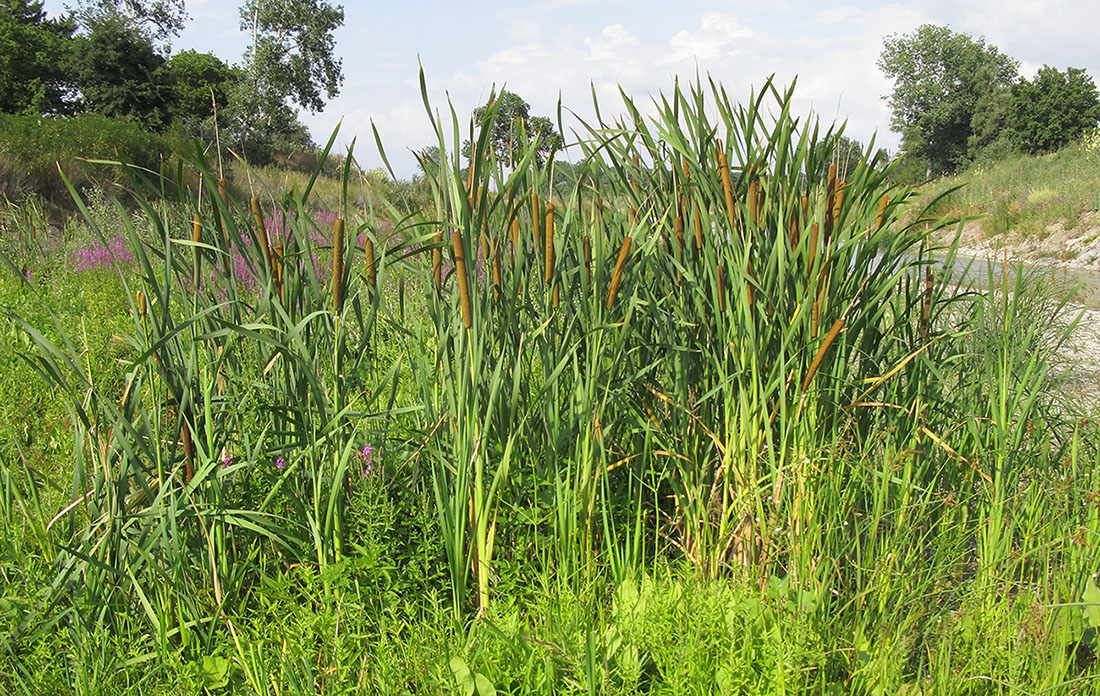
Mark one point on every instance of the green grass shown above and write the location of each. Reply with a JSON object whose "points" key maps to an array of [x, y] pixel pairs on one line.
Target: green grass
{"points": [[721, 433], [1026, 194]]}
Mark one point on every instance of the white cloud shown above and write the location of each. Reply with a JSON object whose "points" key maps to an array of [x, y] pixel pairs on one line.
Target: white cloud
{"points": [[606, 46], [717, 37]]}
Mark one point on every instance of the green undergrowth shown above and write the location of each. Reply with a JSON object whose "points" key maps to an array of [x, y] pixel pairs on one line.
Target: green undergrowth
{"points": [[1026, 194], [715, 422]]}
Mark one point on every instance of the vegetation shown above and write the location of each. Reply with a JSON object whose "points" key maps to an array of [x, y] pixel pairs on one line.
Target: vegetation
{"points": [[957, 100], [109, 58], [709, 423], [1025, 194]]}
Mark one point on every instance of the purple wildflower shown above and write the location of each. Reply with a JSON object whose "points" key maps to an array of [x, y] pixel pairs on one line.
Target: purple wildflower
{"points": [[367, 455], [280, 463], [227, 459]]}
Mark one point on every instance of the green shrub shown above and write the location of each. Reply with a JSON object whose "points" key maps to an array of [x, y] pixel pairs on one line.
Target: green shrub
{"points": [[32, 148]]}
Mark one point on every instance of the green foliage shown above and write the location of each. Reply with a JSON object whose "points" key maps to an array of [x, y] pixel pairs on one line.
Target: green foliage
{"points": [[1024, 194], [613, 459], [32, 58], [119, 74], [291, 57], [948, 92], [512, 127], [161, 19], [32, 147], [1053, 109], [199, 80]]}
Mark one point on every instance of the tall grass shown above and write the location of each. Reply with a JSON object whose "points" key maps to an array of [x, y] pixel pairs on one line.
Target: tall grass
{"points": [[713, 352]]}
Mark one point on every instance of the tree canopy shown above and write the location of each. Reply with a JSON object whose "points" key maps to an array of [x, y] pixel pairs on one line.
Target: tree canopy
{"points": [[945, 85], [31, 51], [1053, 109], [514, 127]]}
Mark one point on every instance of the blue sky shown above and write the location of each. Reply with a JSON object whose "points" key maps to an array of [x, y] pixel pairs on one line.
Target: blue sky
{"points": [[543, 48]]}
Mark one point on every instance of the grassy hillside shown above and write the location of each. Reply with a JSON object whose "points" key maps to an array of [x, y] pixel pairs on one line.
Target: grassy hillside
{"points": [[1028, 195]]}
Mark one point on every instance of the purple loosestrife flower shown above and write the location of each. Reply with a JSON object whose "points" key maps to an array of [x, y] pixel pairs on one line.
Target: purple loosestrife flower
{"points": [[280, 463], [227, 459], [367, 455]]}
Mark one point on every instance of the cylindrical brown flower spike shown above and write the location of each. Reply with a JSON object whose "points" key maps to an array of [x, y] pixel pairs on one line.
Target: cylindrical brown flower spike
{"points": [[261, 233], [727, 188], [697, 222], [882, 211], [617, 276], [460, 275], [338, 266], [497, 283], [722, 288], [549, 242], [536, 213], [280, 288]]}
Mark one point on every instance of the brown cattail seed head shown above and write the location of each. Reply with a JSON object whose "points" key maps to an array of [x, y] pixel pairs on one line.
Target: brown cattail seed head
{"points": [[460, 275], [549, 241], [616, 277], [338, 266]]}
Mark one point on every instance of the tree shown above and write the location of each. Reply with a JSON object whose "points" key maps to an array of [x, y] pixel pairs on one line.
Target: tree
{"points": [[514, 127], [943, 80], [119, 73], [291, 57], [160, 19], [196, 77], [1052, 110], [32, 51]]}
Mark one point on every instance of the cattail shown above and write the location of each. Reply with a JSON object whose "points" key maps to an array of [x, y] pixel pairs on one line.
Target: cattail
{"points": [[460, 274], [753, 212], [697, 220], [258, 217], [838, 200], [338, 266], [586, 247], [721, 288], [515, 233], [497, 283], [813, 247], [188, 445], [820, 355], [792, 229], [557, 295], [830, 194], [881, 211], [484, 247], [549, 241], [196, 237], [280, 288], [536, 211], [617, 276], [139, 300], [727, 188], [437, 261], [368, 258]]}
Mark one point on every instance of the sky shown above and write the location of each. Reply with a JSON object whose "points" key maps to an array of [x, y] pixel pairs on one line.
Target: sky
{"points": [[544, 50]]}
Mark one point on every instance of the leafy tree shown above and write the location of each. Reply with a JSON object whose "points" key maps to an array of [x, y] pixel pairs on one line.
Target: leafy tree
{"points": [[195, 76], [945, 84], [119, 73], [514, 127], [1052, 110], [161, 19], [291, 58], [32, 48]]}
